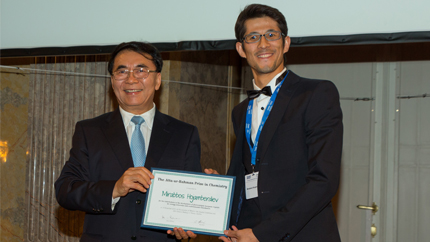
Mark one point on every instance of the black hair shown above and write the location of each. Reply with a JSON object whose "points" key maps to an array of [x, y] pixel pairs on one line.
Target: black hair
{"points": [[138, 47], [259, 11]]}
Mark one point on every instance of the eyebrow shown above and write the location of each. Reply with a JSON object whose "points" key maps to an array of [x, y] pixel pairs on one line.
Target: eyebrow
{"points": [[125, 67], [141, 65], [269, 30], [120, 67]]}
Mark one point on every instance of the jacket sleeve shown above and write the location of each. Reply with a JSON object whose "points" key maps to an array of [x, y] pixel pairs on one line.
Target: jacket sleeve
{"points": [[75, 190], [323, 141]]}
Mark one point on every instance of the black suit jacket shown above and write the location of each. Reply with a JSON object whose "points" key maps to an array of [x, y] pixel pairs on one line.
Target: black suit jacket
{"points": [[298, 156], [99, 156]]}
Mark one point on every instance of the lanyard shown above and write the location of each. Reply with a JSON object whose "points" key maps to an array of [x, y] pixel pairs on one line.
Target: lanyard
{"points": [[263, 120]]}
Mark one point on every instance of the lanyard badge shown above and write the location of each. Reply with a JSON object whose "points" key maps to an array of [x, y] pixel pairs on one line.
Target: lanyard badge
{"points": [[251, 180]]}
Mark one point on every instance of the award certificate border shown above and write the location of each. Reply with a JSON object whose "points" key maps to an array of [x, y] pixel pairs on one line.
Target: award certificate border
{"points": [[230, 190]]}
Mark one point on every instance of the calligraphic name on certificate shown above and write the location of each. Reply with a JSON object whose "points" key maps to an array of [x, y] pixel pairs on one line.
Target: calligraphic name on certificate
{"points": [[193, 201]]}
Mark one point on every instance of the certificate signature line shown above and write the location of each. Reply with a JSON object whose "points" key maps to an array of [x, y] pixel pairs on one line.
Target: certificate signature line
{"points": [[200, 222], [169, 217]]}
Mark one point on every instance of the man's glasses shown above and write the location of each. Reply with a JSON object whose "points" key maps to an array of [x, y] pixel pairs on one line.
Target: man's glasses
{"points": [[270, 36], [138, 73]]}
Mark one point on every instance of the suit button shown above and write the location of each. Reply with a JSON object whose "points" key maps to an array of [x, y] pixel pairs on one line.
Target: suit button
{"points": [[258, 159], [101, 209], [133, 238], [138, 201]]}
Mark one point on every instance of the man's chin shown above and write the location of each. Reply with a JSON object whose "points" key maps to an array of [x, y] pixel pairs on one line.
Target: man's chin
{"points": [[266, 70]]}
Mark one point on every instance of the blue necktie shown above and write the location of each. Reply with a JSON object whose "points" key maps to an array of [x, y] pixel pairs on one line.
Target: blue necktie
{"points": [[138, 143]]}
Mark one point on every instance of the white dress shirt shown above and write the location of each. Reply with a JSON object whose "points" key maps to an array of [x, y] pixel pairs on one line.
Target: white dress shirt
{"points": [[145, 127], [260, 104]]}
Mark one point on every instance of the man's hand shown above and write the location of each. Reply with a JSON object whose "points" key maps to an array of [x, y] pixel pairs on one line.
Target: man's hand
{"points": [[211, 171], [135, 178], [235, 235], [179, 233]]}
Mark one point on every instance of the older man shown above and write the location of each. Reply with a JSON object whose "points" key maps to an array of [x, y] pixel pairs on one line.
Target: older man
{"points": [[108, 172]]}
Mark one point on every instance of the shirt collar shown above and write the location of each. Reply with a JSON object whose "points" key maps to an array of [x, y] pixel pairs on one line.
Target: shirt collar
{"points": [[147, 116], [272, 84]]}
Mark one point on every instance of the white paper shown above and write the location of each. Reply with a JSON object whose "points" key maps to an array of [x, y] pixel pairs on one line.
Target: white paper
{"points": [[192, 201]]}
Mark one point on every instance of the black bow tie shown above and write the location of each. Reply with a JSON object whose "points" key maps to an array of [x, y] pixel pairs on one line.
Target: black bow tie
{"points": [[256, 93]]}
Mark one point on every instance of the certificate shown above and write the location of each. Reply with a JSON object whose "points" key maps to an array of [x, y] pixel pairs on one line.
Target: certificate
{"points": [[193, 201]]}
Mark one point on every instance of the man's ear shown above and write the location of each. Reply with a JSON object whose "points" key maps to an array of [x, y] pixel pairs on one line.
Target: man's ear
{"points": [[287, 44], [239, 48], [158, 81], [112, 79]]}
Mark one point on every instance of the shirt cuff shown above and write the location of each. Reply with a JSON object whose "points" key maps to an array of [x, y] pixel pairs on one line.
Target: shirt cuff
{"points": [[114, 202]]}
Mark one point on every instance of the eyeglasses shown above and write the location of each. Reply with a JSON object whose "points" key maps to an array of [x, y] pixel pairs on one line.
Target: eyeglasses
{"points": [[270, 36], [138, 73]]}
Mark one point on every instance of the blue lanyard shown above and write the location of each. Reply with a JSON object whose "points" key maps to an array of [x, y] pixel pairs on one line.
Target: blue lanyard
{"points": [[263, 120]]}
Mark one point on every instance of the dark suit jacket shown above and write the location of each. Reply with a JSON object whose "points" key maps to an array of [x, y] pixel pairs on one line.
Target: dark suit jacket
{"points": [[298, 159], [101, 154]]}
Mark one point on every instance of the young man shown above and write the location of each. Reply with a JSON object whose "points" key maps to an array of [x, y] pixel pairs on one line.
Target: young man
{"points": [[289, 141], [108, 172]]}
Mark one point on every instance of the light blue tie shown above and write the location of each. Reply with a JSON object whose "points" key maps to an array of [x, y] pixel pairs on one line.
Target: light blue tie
{"points": [[138, 143]]}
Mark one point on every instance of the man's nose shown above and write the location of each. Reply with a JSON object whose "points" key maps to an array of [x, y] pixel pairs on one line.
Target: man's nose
{"points": [[131, 78], [263, 43]]}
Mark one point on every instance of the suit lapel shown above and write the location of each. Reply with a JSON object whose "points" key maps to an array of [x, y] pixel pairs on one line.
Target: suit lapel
{"points": [[237, 166], [160, 136], [117, 137], [279, 108]]}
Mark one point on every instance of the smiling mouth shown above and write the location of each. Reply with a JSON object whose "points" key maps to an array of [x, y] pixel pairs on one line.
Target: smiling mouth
{"points": [[264, 55], [133, 90]]}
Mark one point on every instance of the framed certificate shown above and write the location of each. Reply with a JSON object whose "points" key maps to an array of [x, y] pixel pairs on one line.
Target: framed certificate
{"points": [[193, 201]]}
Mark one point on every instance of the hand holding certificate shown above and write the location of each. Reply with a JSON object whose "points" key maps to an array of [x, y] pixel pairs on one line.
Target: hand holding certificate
{"points": [[193, 201]]}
